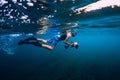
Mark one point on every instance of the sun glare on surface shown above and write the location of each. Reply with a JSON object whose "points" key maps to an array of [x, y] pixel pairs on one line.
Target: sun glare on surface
{"points": [[98, 5]]}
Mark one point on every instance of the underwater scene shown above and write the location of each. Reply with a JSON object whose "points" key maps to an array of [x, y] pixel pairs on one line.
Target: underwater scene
{"points": [[96, 24]]}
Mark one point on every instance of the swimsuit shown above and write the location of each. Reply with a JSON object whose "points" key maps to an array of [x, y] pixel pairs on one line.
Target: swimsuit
{"points": [[53, 41]]}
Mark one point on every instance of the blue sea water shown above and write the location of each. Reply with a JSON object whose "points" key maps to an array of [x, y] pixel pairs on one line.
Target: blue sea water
{"points": [[98, 35]]}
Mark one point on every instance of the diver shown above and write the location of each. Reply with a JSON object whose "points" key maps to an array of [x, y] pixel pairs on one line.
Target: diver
{"points": [[51, 43]]}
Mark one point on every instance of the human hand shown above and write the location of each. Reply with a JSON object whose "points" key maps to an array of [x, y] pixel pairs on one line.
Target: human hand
{"points": [[74, 44]]}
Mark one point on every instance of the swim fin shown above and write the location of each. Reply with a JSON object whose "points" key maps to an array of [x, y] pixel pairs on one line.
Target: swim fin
{"points": [[27, 40], [31, 38], [21, 42]]}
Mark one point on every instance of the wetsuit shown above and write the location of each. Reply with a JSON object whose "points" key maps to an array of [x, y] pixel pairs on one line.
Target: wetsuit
{"points": [[53, 41]]}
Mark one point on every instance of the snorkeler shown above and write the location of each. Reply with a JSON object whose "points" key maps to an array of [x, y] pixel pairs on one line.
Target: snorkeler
{"points": [[51, 43]]}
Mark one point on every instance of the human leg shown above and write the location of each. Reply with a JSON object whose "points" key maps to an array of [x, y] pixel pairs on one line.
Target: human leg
{"points": [[47, 46], [32, 38], [35, 43], [42, 40]]}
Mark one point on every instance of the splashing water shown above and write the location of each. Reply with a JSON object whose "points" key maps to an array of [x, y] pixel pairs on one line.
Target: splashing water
{"points": [[15, 10], [98, 5], [8, 43]]}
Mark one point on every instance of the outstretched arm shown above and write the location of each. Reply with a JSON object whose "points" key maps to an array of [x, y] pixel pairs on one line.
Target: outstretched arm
{"points": [[66, 41], [67, 38]]}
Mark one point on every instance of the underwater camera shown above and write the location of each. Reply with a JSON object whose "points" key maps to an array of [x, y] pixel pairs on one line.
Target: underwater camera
{"points": [[74, 44]]}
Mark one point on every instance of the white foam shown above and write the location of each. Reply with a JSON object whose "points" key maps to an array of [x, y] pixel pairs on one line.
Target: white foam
{"points": [[24, 17], [14, 1], [2, 2], [99, 5], [30, 4]]}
